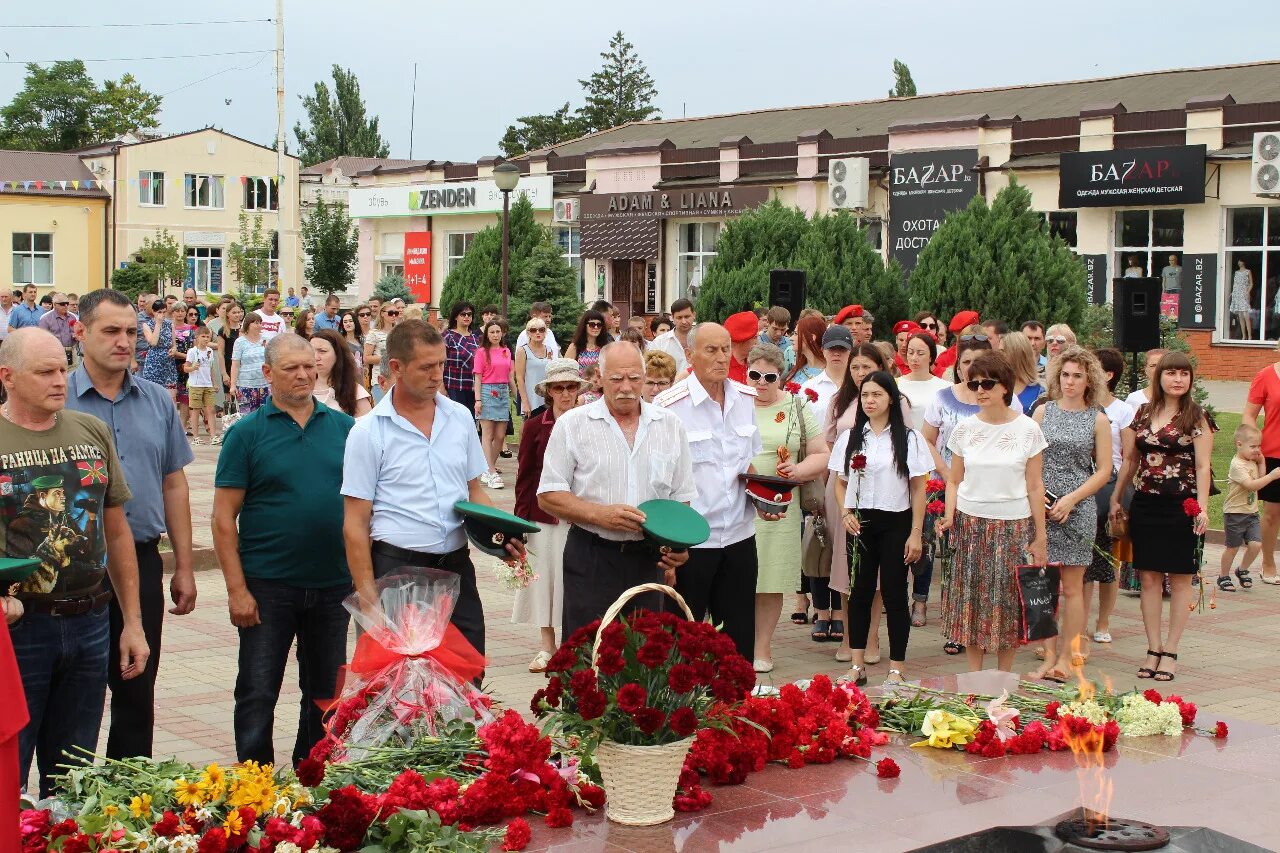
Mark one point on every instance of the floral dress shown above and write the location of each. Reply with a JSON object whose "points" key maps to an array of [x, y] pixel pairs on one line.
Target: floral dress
{"points": [[160, 367], [1161, 530]]}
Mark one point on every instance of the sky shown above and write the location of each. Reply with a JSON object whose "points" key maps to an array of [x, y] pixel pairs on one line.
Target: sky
{"points": [[482, 65]]}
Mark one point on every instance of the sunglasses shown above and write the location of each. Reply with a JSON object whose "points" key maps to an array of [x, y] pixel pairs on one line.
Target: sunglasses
{"points": [[465, 314], [365, 314], [984, 384], [594, 325], [537, 329], [562, 388], [974, 338], [928, 325], [1056, 339], [393, 313], [62, 303], [756, 376]]}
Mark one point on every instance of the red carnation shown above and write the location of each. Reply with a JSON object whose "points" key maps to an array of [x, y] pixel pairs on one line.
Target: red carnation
{"points": [[682, 678], [683, 721], [518, 835], [558, 817], [631, 697], [648, 720], [592, 705], [214, 841], [610, 661], [936, 508], [582, 682], [167, 826], [310, 772], [935, 486], [1051, 710], [792, 387], [346, 818], [1220, 730], [858, 463], [1152, 695], [1191, 507], [887, 768], [592, 795], [811, 394]]}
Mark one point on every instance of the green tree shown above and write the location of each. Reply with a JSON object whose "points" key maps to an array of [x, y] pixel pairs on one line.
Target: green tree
{"points": [[134, 279], [60, 107], [844, 269], [331, 242], [748, 247], [337, 125], [165, 257], [903, 85], [477, 278], [621, 91], [1000, 260], [547, 277], [250, 257], [123, 105], [392, 286], [540, 131]]}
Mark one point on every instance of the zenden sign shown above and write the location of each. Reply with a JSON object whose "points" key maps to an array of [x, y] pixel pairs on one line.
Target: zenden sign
{"points": [[444, 199]]}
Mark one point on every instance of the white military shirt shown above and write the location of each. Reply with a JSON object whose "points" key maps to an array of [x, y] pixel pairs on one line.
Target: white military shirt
{"points": [[722, 442]]}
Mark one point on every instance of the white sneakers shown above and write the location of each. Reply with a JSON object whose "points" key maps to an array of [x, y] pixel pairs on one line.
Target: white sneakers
{"points": [[493, 480]]}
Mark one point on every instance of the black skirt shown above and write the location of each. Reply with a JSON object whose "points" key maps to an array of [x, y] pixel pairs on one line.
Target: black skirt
{"points": [[1162, 534]]}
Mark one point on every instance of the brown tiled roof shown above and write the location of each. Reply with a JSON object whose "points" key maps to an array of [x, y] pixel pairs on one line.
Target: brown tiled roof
{"points": [[357, 165], [1250, 83], [620, 238], [55, 172]]}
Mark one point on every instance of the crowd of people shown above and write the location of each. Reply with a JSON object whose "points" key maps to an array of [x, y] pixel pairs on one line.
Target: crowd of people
{"points": [[846, 472]]}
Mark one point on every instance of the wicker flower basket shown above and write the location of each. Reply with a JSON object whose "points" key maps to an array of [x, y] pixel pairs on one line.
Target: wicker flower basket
{"points": [[640, 781]]}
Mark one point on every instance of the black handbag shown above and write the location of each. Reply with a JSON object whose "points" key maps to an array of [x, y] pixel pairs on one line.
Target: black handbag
{"points": [[1038, 591]]}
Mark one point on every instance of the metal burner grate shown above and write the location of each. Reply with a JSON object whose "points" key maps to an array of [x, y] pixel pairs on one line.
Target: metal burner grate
{"points": [[1104, 833]]}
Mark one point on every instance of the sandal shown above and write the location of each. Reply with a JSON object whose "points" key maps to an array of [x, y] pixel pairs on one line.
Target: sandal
{"points": [[858, 680], [821, 632], [870, 660], [1168, 676], [919, 621], [800, 618], [1242, 575], [844, 655], [836, 632], [952, 648], [1102, 636], [1146, 671], [1225, 584], [894, 677]]}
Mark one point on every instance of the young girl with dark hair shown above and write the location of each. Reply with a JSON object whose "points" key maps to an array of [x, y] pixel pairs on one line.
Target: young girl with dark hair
{"points": [[882, 466]]}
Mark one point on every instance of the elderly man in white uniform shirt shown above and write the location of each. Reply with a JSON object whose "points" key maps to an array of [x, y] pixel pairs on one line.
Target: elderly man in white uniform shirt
{"points": [[720, 419], [603, 460]]}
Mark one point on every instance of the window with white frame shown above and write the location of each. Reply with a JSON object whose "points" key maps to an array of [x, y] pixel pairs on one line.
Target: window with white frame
{"points": [[261, 194], [205, 192], [456, 245], [32, 258], [151, 189], [388, 268], [697, 250], [1251, 281], [1144, 239], [204, 269], [569, 239]]}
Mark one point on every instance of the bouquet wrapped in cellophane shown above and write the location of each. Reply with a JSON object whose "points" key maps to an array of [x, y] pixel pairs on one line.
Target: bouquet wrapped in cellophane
{"points": [[412, 672]]}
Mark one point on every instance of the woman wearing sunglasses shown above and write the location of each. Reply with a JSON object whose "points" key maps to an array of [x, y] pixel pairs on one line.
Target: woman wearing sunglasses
{"points": [[883, 517], [931, 324], [783, 420], [460, 345], [589, 339], [996, 515], [1058, 337]]}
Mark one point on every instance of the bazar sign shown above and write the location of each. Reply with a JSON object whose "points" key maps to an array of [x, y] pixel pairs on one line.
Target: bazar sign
{"points": [[924, 186], [444, 199], [1141, 176], [719, 201]]}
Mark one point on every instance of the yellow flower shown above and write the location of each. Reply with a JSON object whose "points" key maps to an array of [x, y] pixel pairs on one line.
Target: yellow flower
{"points": [[188, 793], [110, 810], [140, 806], [233, 824], [945, 730], [213, 782]]}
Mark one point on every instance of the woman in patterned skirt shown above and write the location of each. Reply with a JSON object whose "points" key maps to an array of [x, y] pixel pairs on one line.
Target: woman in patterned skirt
{"points": [[995, 506], [1077, 464]]}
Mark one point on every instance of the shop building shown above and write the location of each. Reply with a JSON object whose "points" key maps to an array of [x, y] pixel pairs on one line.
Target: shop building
{"points": [[53, 228]]}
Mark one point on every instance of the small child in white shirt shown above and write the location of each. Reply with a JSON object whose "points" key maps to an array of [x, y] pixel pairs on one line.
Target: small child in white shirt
{"points": [[199, 370]]}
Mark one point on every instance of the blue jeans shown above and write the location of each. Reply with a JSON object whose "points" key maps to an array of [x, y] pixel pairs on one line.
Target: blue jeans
{"points": [[63, 661], [318, 620]]}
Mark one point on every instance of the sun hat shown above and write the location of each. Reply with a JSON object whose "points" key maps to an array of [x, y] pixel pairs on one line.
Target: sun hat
{"points": [[561, 370]]}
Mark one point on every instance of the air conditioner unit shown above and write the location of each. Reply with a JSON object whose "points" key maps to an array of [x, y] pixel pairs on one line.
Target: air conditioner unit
{"points": [[848, 182], [565, 210], [1264, 176]]}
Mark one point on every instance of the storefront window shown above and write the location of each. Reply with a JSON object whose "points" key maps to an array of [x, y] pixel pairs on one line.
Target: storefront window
{"points": [[204, 269], [697, 249], [458, 244], [569, 239], [1144, 239], [1253, 269]]}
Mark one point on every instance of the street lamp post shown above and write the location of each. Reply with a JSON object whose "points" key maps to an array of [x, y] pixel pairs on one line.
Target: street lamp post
{"points": [[506, 176]]}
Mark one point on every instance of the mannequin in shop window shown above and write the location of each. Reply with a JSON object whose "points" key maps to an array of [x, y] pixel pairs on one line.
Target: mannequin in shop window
{"points": [[1135, 268], [1241, 293]]}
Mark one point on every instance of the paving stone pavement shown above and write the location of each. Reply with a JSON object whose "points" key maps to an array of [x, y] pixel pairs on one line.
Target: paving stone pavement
{"points": [[1228, 664]]}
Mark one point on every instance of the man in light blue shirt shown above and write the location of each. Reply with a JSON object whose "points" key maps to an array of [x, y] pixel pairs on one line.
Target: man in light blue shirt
{"points": [[777, 323], [28, 313], [407, 463], [328, 318]]}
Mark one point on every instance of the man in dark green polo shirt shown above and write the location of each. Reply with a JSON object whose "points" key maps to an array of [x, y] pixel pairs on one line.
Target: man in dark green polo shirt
{"points": [[279, 474]]}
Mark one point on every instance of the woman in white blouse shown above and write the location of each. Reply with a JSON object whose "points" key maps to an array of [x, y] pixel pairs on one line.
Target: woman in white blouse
{"points": [[995, 508], [882, 465]]}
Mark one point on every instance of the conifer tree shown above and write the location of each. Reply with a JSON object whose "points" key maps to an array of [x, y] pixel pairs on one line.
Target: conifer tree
{"points": [[845, 269], [748, 247]]}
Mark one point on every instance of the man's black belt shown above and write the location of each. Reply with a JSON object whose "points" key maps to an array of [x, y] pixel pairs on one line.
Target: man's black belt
{"points": [[420, 559], [77, 606], [630, 546], [149, 543]]}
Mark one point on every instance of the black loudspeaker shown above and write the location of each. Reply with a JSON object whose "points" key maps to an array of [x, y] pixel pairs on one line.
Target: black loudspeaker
{"points": [[1136, 303], [786, 290]]}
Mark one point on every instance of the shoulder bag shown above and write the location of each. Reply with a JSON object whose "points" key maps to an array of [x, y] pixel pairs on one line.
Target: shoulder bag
{"points": [[813, 493]]}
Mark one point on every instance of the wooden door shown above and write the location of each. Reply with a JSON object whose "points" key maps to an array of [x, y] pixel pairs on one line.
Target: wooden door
{"points": [[627, 288]]}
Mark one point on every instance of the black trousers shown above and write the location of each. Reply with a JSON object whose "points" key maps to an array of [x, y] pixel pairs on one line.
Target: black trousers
{"points": [[722, 581], [468, 614], [597, 571], [880, 550], [133, 702]]}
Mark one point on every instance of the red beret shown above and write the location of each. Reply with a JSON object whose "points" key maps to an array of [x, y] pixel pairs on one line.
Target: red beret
{"points": [[962, 320], [846, 312], [742, 326], [905, 326]]}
